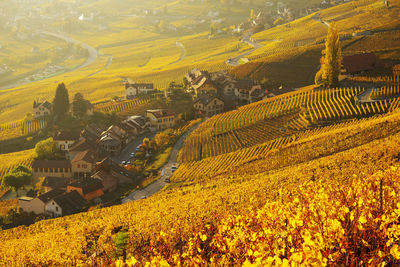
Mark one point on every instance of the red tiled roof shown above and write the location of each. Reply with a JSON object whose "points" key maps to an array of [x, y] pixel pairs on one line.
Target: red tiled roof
{"points": [[160, 113]]}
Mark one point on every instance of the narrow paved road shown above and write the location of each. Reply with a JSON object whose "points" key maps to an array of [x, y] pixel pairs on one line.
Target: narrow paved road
{"points": [[91, 58], [165, 173], [92, 51], [247, 39], [131, 147]]}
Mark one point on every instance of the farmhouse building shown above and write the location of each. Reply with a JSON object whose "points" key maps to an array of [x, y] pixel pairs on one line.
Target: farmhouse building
{"points": [[65, 139], [208, 105], [161, 118], [55, 168], [134, 89], [88, 188], [49, 183], [42, 109], [38, 204], [83, 163], [65, 204]]}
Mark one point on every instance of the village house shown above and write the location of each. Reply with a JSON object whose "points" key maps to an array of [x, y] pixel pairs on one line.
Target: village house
{"points": [[141, 123], [92, 132], [134, 89], [109, 166], [161, 119], [80, 146], [200, 82], [82, 164], [112, 140], [88, 188], [65, 139], [38, 204], [49, 183], [42, 109], [65, 204], [248, 91], [223, 81], [55, 168], [208, 105], [109, 181]]}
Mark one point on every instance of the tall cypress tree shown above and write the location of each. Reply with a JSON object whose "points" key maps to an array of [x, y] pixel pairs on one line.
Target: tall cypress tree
{"points": [[331, 60], [61, 101]]}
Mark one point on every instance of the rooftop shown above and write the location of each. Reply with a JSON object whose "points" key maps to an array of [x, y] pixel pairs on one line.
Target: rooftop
{"points": [[51, 164], [46, 197], [66, 135], [160, 113], [70, 202], [88, 185]]}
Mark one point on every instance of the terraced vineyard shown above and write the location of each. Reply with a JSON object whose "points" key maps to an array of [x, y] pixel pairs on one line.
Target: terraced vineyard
{"points": [[284, 116], [11, 160], [21, 128], [327, 179]]}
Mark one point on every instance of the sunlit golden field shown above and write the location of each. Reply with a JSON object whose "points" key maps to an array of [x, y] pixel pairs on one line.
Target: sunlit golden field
{"points": [[144, 55]]}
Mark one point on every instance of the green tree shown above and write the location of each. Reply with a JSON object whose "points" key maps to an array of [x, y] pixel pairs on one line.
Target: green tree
{"points": [[46, 149], [331, 60], [79, 106], [15, 180], [61, 102], [121, 243]]}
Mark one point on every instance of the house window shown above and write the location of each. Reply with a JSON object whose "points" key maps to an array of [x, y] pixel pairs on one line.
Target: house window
{"points": [[84, 166], [56, 208], [51, 170], [56, 170], [79, 165]]}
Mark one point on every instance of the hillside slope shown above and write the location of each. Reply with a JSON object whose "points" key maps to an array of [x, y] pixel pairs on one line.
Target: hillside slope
{"points": [[230, 216], [290, 55]]}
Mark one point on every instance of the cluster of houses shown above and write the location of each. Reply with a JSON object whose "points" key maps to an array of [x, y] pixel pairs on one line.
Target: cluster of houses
{"points": [[217, 92], [87, 172], [283, 11]]}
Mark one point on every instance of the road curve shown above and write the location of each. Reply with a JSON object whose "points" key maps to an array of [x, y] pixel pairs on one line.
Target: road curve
{"points": [[92, 51], [166, 173], [246, 39], [91, 58]]}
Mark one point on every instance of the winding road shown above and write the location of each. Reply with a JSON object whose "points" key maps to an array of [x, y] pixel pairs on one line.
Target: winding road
{"points": [[166, 172], [247, 39], [92, 56]]}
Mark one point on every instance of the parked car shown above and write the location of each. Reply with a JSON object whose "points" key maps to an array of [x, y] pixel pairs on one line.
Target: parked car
{"points": [[132, 154], [138, 147], [173, 168], [142, 197], [123, 162]]}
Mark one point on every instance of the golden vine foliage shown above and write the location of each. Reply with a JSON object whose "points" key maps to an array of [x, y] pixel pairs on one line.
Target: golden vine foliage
{"points": [[286, 206]]}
